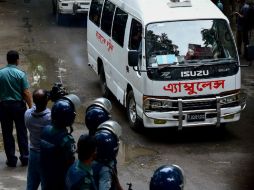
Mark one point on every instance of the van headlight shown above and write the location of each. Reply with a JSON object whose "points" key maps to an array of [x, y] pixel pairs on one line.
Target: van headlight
{"points": [[155, 104], [229, 99]]}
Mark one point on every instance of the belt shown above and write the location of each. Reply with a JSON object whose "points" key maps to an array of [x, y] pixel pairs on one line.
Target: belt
{"points": [[10, 101], [13, 102]]}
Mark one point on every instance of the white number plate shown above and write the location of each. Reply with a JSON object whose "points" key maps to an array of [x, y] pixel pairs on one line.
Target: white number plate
{"points": [[196, 117]]}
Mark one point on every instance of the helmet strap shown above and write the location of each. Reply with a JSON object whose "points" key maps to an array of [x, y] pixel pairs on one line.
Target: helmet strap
{"points": [[71, 129]]}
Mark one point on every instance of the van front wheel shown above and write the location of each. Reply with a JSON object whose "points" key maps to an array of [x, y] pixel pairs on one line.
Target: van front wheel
{"points": [[132, 115]]}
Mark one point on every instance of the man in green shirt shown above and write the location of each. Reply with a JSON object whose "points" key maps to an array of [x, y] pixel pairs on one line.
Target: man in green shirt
{"points": [[14, 95], [80, 174]]}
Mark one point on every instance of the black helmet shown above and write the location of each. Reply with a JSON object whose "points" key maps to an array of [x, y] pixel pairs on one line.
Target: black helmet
{"points": [[107, 145], [167, 177], [95, 115], [63, 113]]}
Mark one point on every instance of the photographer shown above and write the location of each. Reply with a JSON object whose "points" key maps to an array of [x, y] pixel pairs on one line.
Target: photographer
{"points": [[36, 119], [242, 37]]}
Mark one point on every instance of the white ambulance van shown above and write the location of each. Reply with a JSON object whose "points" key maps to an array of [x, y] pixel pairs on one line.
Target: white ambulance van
{"points": [[171, 63]]}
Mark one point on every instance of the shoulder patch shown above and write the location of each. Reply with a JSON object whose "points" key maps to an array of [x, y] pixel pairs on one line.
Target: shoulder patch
{"points": [[68, 138], [69, 141], [87, 180]]}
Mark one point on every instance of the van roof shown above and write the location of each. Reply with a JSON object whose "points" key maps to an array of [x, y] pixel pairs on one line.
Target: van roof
{"points": [[159, 10]]}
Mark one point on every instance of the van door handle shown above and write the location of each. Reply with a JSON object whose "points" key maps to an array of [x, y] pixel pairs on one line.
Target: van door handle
{"points": [[127, 69]]}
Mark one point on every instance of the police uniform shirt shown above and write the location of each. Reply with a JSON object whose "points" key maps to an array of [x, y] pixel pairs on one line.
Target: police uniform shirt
{"points": [[241, 20], [13, 82], [80, 177], [103, 175], [57, 148]]}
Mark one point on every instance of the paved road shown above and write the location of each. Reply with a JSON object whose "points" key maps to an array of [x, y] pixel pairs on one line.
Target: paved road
{"points": [[212, 159]]}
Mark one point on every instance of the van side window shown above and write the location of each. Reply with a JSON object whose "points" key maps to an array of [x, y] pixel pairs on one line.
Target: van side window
{"points": [[135, 35], [119, 26], [95, 11], [107, 17]]}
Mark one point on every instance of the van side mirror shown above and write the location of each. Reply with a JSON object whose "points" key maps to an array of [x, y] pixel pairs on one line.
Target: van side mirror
{"points": [[133, 58], [249, 53]]}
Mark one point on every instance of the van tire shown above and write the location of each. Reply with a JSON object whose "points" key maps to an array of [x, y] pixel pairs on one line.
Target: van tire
{"points": [[134, 120], [103, 83]]}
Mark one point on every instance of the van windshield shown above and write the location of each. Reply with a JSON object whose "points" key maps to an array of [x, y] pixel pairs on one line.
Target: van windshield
{"points": [[189, 44]]}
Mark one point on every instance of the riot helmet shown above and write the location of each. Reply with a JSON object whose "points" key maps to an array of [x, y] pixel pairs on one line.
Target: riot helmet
{"points": [[167, 177], [63, 111], [107, 145], [111, 126], [102, 102], [95, 115], [74, 99]]}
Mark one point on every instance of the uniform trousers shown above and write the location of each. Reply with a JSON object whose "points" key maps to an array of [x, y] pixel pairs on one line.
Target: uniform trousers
{"points": [[13, 112]]}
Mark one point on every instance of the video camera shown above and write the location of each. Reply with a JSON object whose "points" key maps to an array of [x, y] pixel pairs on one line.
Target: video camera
{"points": [[57, 92]]}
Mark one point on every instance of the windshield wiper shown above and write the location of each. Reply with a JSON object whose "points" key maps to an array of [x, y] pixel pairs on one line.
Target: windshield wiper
{"points": [[214, 61], [196, 63], [231, 60], [159, 67]]}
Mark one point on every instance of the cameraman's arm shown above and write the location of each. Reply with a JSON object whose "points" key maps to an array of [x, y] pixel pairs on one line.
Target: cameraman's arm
{"points": [[27, 97], [238, 14]]}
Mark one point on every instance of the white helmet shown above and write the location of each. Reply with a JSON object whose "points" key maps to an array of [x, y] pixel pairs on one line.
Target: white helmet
{"points": [[111, 126], [103, 103]]}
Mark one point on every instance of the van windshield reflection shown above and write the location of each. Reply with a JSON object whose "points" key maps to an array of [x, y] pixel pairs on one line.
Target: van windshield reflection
{"points": [[189, 43]]}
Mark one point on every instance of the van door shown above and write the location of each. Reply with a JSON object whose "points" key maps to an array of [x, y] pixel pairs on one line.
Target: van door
{"points": [[119, 59], [109, 48], [135, 77]]}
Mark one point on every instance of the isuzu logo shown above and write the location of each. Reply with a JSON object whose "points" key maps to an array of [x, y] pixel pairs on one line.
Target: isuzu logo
{"points": [[194, 73]]}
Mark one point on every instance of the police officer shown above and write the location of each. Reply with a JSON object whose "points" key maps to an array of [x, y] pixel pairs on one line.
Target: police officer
{"points": [[167, 177], [57, 143], [242, 37], [14, 94], [97, 113], [104, 167], [80, 174]]}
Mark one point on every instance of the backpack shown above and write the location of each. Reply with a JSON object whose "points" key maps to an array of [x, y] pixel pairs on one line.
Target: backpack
{"points": [[249, 20]]}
